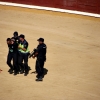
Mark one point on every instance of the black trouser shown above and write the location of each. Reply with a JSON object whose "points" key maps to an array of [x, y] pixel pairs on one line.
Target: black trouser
{"points": [[23, 57], [15, 61], [9, 58], [40, 67], [13, 56]]}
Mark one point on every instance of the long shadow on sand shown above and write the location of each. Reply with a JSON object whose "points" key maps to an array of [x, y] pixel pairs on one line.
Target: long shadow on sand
{"points": [[45, 72]]}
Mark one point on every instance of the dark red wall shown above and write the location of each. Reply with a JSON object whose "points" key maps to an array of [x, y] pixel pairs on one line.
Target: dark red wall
{"points": [[92, 6]]}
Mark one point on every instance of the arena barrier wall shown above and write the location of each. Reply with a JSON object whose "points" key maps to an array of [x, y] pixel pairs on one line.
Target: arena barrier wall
{"points": [[84, 7]]}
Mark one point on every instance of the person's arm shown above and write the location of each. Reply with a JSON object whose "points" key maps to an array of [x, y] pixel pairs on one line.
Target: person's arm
{"points": [[35, 55], [25, 47], [37, 50]]}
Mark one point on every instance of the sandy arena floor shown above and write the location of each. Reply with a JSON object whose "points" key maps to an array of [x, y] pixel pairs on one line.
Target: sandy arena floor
{"points": [[73, 57]]}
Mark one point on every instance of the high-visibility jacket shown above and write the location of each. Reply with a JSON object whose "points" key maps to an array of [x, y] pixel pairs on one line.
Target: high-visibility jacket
{"points": [[22, 45]]}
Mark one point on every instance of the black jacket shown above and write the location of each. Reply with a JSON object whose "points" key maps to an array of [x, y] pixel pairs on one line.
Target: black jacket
{"points": [[13, 48], [41, 50]]}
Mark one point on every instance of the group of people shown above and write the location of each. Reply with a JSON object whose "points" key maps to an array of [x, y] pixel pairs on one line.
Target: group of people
{"points": [[19, 52]]}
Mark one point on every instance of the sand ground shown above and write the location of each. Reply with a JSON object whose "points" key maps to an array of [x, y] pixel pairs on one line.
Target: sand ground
{"points": [[73, 57]]}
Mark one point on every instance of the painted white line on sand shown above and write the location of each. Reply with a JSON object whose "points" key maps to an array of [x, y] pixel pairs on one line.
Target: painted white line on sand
{"points": [[51, 9]]}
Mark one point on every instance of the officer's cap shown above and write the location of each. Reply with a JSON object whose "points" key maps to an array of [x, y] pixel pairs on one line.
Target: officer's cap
{"points": [[41, 39], [22, 36]]}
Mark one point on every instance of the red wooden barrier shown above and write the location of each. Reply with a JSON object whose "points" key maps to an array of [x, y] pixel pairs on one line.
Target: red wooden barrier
{"points": [[92, 6]]}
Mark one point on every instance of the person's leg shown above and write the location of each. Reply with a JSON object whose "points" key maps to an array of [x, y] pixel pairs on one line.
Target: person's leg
{"points": [[9, 58], [26, 63], [41, 68], [15, 62], [20, 62], [38, 69], [36, 66]]}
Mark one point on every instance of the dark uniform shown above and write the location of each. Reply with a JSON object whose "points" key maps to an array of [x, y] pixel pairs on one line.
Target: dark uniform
{"points": [[16, 39], [23, 56], [12, 55], [41, 58]]}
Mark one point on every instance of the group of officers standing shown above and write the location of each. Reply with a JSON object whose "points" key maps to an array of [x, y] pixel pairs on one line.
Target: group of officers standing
{"points": [[19, 53]]}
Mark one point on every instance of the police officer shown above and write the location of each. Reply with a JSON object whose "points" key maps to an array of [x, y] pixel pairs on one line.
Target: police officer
{"points": [[12, 55], [16, 39], [23, 54], [41, 58]]}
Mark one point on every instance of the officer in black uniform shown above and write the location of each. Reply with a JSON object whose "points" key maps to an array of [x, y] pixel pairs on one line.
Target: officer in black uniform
{"points": [[41, 58], [12, 55], [16, 39], [23, 54]]}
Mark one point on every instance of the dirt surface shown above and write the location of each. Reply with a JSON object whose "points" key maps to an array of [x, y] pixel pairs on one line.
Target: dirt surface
{"points": [[73, 57]]}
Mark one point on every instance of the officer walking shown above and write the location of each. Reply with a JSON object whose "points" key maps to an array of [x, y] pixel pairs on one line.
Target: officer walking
{"points": [[41, 58], [16, 39], [12, 55], [23, 54]]}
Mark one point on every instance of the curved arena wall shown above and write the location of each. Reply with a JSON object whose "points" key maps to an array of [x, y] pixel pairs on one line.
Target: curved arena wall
{"points": [[91, 6]]}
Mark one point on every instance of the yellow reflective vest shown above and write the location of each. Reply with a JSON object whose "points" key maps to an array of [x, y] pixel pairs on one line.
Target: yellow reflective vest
{"points": [[22, 46]]}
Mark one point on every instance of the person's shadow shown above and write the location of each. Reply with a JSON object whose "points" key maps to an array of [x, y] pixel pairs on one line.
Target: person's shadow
{"points": [[45, 73]]}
